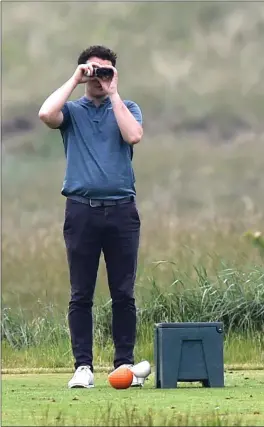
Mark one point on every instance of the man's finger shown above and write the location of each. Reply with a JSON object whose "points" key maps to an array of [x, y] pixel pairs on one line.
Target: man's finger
{"points": [[88, 69]]}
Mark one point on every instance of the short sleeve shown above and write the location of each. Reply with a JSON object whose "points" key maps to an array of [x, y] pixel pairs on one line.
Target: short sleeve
{"points": [[136, 111], [66, 117]]}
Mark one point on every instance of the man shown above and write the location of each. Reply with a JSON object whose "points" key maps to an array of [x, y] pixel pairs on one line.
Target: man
{"points": [[99, 131]]}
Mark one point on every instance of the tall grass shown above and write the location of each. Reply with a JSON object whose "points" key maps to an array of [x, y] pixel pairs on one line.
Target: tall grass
{"points": [[234, 298]]}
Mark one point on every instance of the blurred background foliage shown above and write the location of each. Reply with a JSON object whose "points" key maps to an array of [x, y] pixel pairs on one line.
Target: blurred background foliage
{"points": [[192, 66], [197, 71]]}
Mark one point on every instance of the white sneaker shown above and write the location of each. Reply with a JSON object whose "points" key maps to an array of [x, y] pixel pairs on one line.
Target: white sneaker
{"points": [[82, 378], [138, 381]]}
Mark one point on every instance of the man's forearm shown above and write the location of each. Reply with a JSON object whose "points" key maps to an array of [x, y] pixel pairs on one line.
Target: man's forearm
{"points": [[54, 103], [130, 129]]}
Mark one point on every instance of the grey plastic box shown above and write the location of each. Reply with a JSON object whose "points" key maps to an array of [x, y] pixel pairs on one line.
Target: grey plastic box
{"points": [[189, 352]]}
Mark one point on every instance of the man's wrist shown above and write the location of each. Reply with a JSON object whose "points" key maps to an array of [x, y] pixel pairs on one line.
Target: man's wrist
{"points": [[73, 82], [115, 98]]}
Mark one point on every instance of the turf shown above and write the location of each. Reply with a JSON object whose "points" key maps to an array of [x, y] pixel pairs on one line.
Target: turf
{"points": [[43, 399]]}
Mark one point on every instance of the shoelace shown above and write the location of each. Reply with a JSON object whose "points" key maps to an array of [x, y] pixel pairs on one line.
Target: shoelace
{"points": [[82, 368]]}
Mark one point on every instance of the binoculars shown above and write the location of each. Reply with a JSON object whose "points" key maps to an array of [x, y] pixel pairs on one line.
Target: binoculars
{"points": [[102, 73]]}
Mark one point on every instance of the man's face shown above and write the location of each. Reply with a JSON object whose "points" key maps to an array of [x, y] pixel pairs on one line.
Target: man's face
{"points": [[94, 86]]}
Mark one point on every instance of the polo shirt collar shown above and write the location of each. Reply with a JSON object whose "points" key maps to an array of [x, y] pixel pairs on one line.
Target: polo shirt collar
{"points": [[90, 103]]}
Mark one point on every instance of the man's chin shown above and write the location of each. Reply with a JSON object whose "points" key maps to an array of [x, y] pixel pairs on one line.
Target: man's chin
{"points": [[99, 94]]}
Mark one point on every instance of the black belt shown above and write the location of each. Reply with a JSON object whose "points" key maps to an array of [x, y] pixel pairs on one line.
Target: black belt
{"points": [[98, 202]]}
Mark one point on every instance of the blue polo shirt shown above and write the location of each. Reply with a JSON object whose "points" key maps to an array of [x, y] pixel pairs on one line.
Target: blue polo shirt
{"points": [[98, 160]]}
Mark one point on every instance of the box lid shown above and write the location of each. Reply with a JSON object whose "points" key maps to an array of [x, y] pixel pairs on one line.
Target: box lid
{"points": [[190, 325]]}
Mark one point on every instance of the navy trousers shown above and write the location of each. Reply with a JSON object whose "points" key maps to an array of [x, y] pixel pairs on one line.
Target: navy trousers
{"points": [[115, 231]]}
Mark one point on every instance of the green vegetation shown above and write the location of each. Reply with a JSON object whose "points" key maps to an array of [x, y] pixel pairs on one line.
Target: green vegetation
{"points": [[196, 204], [239, 352], [199, 172], [192, 67], [40, 338], [44, 400], [196, 70], [201, 254]]}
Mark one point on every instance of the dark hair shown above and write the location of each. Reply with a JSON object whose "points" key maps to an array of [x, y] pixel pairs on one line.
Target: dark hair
{"points": [[101, 52]]}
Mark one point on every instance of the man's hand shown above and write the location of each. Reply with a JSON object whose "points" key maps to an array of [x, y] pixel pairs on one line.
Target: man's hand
{"points": [[83, 71], [109, 85]]}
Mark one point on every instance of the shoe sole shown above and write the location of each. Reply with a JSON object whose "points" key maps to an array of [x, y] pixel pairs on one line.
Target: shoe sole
{"points": [[81, 386], [138, 381]]}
